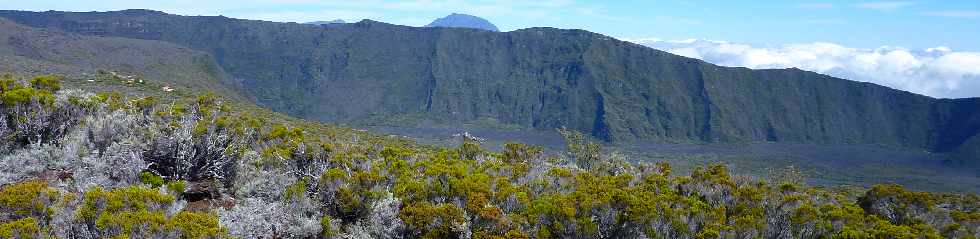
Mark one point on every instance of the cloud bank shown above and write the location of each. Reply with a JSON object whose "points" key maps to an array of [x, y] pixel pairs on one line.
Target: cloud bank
{"points": [[937, 72]]}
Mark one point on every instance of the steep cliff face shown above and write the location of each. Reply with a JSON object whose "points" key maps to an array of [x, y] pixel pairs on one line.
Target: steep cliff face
{"points": [[957, 123], [541, 78]]}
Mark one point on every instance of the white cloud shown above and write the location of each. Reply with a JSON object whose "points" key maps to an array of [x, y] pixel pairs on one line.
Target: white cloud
{"points": [[938, 72], [954, 14], [886, 5]]}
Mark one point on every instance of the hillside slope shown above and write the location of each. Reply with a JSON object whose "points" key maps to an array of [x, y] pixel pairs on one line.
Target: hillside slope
{"points": [[102, 165], [539, 78], [28, 51]]}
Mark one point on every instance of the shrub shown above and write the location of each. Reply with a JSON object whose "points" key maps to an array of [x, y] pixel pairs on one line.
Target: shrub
{"points": [[28, 199], [196, 225], [177, 187], [306, 180], [433, 220], [893, 202], [254, 218], [295, 191], [141, 212], [8, 82], [178, 153], [151, 179], [50, 83], [326, 229], [22, 228], [585, 152]]}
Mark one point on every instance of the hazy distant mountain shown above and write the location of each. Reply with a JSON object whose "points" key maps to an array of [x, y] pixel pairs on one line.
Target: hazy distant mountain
{"points": [[463, 21], [338, 21]]}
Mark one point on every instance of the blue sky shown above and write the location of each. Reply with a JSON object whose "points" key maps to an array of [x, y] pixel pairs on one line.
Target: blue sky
{"points": [[911, 24], [930, 47]]}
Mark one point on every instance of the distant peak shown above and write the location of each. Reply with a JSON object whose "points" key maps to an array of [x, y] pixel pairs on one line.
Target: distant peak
{"points": [[463, 21]]}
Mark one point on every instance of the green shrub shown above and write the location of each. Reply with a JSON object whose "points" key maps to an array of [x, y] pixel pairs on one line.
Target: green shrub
{"points": [[28, 199], [893, 202], [151, 179], [177, 187], [192, 225], [295, 191], [97, 202], [50, 83], [432, 220], [22, 228], [8, 82], [141, 212], [26, 95], [112, 99], [326, 229]]}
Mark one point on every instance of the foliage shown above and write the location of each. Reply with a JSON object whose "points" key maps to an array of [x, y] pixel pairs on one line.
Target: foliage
{"points": [[27, 199], [584, 151], [196, 225], [113, 167], [141, 212], [151, 179], [50, 83], [22, 228]]}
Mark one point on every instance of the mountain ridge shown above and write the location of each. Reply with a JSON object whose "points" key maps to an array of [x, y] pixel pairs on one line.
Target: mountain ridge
{"points": [[541, 78]]}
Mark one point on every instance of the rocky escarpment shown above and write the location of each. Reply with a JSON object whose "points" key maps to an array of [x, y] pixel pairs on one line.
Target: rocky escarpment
{"points": [[539, 78]]}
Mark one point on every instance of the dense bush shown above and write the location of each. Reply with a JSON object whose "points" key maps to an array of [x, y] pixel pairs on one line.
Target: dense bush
{"points": [[29, 113], [79, 165]]}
